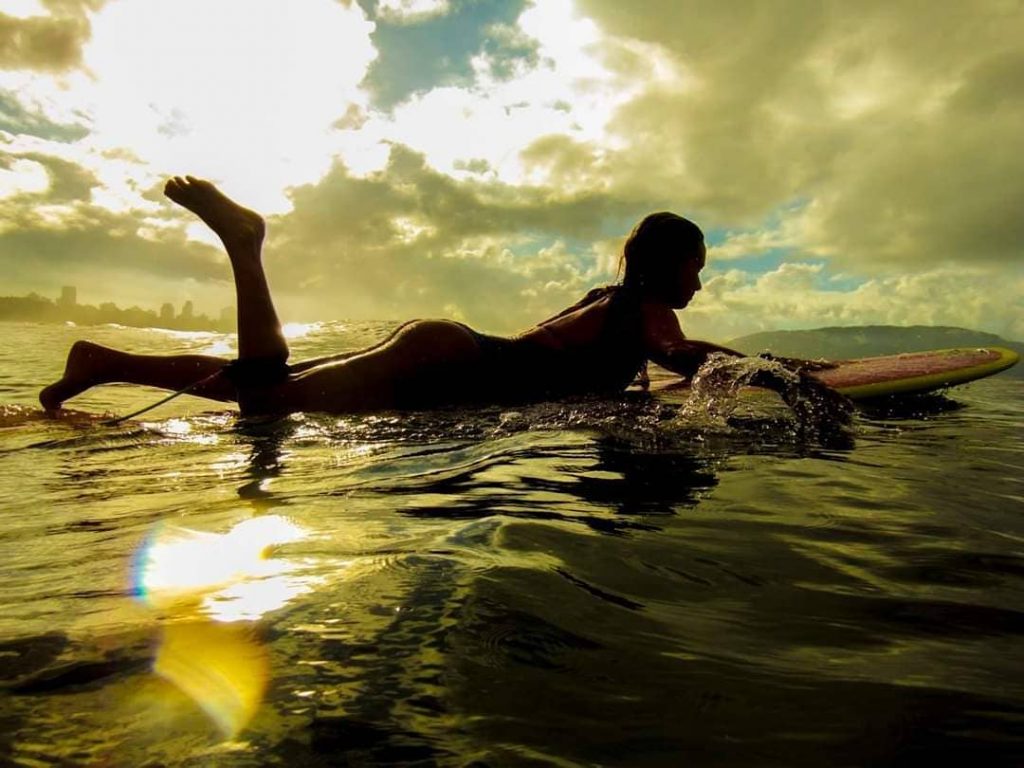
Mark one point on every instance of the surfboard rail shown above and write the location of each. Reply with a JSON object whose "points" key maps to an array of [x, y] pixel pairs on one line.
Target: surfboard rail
{"points": [[885, 375], [915, 372]]}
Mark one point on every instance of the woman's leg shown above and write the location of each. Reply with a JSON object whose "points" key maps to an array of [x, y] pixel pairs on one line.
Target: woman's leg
{"points": [[241, 231], [419, 356], [421, 363], [90, 364], [259, 330], [426, 363]]}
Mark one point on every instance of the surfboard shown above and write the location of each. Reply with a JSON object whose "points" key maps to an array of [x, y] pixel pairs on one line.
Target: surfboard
{"points": [[903, 374]]}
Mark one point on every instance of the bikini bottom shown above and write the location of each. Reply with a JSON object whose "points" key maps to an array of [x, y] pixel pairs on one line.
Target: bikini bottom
{"points": [[256, 372], [512, 370]]}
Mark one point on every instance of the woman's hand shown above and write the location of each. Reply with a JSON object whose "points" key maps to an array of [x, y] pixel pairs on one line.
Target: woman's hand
{"points": [[805, 394], [798, 365]]}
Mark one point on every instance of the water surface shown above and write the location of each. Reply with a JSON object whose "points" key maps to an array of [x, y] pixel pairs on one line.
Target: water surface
{"points": [[581, 583]]}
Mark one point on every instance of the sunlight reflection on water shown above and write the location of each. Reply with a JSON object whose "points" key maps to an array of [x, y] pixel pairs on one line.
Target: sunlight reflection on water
{"points": [[231, 575], [299, 330], [209, 587]]}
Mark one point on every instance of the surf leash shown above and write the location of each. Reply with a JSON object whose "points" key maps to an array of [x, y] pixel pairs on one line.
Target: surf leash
{"points": [[258, 371], [179, 393]]}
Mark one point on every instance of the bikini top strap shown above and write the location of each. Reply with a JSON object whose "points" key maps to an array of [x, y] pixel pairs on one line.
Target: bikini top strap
{"points": [[592, 295]]}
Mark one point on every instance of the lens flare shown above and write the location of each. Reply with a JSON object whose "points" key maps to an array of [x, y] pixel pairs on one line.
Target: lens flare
{"points": [[231, 576], [209, 588], [222, 667]]}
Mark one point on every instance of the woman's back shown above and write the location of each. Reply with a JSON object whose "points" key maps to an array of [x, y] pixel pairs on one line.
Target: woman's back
{"points": [[594, 346], [579, 325]]}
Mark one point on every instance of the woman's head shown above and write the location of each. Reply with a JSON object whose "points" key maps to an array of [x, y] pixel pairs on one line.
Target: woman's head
{"points": [[662, 258]]}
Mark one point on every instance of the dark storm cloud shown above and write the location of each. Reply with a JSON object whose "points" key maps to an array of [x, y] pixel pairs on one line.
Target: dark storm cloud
{"points": [[416, 57]]}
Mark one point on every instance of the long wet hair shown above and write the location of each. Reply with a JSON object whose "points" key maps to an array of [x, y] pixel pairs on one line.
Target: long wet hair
{"points": [[647, 256], [657, 239]]}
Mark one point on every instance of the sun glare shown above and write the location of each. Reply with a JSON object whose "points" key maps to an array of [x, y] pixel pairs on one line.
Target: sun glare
{"points": [[230, 576], [240, 91], [23, 176], [23, 9], [299, 330]]}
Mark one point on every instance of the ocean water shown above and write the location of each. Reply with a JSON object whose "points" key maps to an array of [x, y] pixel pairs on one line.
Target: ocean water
{"points": [[594, 582]]}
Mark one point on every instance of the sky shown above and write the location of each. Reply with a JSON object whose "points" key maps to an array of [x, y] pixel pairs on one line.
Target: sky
{"points": [[484, 160]]}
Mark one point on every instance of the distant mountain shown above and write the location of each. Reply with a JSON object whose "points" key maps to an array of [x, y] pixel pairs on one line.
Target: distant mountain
{"points": [[867, 340]]}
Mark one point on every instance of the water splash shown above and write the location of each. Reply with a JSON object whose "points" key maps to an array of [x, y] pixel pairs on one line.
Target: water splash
{"points": [[816, 412]]}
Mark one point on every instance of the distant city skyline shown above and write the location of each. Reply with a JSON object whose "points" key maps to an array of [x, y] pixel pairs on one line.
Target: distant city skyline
{"points": [[68, 297], [36, 307]]}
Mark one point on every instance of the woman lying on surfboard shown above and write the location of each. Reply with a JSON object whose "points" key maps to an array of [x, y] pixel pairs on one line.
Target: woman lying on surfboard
{"points": [[598, 345]]}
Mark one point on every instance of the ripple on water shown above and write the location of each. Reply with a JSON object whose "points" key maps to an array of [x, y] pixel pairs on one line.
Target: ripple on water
{"points": [[588, 583]]}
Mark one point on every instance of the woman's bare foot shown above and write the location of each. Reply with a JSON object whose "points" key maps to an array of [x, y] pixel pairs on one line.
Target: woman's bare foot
{"points": [[84, 369], [240, 229]]}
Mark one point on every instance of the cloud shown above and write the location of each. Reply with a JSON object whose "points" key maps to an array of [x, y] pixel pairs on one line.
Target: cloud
{"points": [[46, 43], [896, 130], [803, 295], [411, 11], [410, 240], [507, 52], [421, 51], [16, 118], [67, 181], [946, 189], [57, 227], [104, 255]]}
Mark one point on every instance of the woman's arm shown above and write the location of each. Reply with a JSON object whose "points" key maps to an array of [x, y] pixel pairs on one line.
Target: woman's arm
{"points": [[669, 348], [687, 356]]}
